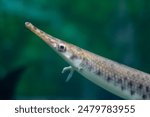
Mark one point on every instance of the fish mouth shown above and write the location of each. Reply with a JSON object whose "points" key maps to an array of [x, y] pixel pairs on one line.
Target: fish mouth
{"points": [[50, 40]]}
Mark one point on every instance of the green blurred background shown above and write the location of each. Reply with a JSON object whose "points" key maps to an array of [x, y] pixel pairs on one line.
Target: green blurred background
{"points": [[29, 69]]}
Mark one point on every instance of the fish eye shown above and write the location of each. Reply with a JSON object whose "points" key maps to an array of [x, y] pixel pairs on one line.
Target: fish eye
{"points": [[61, 48]]}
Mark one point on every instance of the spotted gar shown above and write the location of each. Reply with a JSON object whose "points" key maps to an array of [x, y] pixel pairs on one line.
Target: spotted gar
{"points": [[114, 77]]}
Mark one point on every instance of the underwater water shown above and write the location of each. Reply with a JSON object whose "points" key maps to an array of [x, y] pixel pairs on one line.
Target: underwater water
{"points": [[29, 69]]}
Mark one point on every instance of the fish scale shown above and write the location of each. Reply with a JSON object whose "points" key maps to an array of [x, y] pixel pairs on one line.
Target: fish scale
{"points": [[116, 78]]}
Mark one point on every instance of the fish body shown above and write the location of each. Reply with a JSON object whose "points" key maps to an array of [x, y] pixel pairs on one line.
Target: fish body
{"points": [[119, 79]]}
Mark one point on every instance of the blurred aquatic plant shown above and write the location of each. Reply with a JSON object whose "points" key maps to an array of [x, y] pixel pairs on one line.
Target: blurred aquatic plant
{"points": [[9, 83]]}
